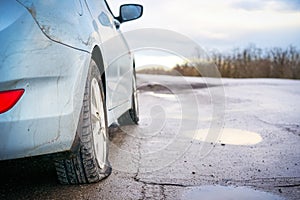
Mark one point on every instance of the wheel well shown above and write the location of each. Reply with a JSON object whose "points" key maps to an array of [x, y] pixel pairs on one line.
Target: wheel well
{"points": [[97, 57]]}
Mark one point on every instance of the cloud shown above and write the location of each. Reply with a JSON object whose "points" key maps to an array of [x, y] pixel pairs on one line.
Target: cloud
{"points": [[249, 5], [224, 23], [277, 5], [292, 4]]}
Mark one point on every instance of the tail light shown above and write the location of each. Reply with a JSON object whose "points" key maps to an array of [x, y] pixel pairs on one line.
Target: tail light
{"points": [[9, 98]]}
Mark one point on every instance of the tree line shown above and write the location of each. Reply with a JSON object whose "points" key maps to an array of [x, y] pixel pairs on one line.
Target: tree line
{"points": [[250, 62]]}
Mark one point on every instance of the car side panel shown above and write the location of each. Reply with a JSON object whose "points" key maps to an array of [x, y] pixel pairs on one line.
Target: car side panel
{"points": [[116, 54], [88, 23]]}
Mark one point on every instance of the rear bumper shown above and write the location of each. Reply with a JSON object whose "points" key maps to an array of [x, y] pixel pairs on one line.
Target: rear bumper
{"points": [[45, 119]]}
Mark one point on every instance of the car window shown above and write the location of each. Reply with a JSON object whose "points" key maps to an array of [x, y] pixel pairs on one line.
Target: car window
{"points": [[96, 7]]}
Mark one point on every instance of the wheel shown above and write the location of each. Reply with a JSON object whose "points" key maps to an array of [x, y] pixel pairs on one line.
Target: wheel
{"points": [[131, 117], [90, 164]]}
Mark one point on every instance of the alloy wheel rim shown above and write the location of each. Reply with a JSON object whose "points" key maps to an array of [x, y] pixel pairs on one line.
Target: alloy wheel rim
{"points": [[98, 124]]}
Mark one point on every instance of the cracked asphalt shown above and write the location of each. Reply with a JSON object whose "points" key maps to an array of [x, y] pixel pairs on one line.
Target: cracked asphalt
{"points": [[194, 135]]}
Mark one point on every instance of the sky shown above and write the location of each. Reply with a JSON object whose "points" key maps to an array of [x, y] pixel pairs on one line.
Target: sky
{"points": [[223, 25]]}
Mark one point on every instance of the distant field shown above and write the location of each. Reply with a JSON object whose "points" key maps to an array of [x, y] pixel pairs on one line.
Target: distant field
{"points": [[251, 62]]}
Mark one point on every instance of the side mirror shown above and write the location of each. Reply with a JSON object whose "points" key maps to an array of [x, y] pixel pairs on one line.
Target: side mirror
{"points": [[130, 12]]}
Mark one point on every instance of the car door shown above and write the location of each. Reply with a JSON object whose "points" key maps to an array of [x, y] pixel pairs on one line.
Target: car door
{"points": [[115, 52]]}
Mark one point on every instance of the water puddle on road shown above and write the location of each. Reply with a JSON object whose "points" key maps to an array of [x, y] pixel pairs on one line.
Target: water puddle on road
{"points": [[231, 136], [167, 96], [227, 193]]}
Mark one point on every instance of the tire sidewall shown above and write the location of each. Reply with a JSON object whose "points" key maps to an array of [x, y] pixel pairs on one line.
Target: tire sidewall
{"points": [[95, 73]]}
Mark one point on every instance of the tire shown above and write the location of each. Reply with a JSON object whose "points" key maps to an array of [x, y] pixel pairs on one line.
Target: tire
{"points": [[131, 117], [90, 164]]}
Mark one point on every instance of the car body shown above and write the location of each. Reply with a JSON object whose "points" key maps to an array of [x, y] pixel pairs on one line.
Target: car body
{"points": [[46, 49]]}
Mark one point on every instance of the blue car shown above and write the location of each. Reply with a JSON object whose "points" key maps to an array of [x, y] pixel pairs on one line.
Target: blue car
{"points": [[66, 75]]}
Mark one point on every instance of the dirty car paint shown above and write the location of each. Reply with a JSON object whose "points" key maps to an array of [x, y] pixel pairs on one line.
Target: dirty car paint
{"points": [[45, 119], [58, 25]]}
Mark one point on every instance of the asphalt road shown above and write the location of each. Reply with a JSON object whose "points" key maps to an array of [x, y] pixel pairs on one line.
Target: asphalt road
{"points": [[197, 138]]}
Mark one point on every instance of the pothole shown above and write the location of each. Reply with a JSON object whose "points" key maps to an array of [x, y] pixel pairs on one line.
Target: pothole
{"points": [[230, 136], [227, 193]]}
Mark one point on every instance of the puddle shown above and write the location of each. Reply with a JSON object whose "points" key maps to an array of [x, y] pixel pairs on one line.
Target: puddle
{"points": [[162, 95], [227, 193], [231, 136]]}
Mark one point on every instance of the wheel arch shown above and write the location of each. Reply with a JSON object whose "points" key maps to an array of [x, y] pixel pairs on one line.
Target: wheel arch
{"points": [[98, 58]]}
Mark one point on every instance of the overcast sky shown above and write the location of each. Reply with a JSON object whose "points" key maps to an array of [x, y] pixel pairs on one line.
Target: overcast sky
{"points": [[223, 24]]}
